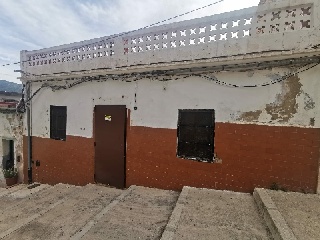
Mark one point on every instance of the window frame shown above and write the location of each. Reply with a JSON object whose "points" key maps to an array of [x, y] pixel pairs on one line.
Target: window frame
{"points": [[196, 127], [55, 113]]}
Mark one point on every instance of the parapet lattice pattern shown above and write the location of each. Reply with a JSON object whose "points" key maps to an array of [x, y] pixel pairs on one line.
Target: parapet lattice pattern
{"points": [[205, 31]]}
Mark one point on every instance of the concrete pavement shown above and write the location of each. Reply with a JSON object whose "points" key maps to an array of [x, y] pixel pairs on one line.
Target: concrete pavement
{"points": [[99, 212]]}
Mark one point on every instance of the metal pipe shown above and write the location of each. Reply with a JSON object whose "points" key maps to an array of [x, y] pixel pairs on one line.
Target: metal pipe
{"points": [[28, 88]]}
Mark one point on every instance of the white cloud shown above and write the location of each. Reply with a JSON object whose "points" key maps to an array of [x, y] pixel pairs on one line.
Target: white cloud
{"points": [[34, 24], [7, 73]]}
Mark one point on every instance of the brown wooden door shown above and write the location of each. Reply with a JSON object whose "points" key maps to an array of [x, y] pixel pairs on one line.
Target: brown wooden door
{"points": [[110, 144]]}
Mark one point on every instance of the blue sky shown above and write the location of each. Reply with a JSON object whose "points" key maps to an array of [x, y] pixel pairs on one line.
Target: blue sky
{"points": [[36, 24]]}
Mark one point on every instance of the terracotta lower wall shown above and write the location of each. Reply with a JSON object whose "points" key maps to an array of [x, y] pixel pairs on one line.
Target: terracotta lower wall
{"points": [[70, 161], [252, 156]]}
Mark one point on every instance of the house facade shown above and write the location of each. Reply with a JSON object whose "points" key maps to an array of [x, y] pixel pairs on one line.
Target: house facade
{"points": [[11, 133], [226, 102]]}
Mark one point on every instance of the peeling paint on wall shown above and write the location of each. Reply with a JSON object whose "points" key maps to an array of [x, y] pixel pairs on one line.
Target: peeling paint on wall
{"points": [[158, 108], [250, 73], [308, 102], [252, 116], [12, 128], [285, 106], [274, 76], [312, 122]]}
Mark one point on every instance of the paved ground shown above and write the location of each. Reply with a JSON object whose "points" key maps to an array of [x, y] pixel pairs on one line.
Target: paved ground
{"points": [[300, 211], [91, 212], [98, 212], [75, 207], [2, 180], [143, 214], [212, 214]]}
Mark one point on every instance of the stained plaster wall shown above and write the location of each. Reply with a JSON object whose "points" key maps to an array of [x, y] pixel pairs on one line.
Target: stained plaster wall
{"points": [[294, 102], [11, 129]]}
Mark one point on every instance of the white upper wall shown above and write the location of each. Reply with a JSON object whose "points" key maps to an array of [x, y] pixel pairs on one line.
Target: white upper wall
{"points": [[9, 125], [294, 102]]}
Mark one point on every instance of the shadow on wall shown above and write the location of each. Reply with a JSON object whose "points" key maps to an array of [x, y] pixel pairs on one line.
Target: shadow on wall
{"points": [[8, 154]]}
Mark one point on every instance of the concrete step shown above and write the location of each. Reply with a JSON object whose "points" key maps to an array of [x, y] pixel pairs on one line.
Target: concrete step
{"points": [[18, 212], [8, 190], [289, 215], [24, 197], [213, 214], [141, 213], [98, 212], [69, 217], [20, 197], [28, 190]]}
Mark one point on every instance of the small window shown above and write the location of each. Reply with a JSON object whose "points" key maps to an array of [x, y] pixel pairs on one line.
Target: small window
{"points": [[58, 122], [196, 134]]}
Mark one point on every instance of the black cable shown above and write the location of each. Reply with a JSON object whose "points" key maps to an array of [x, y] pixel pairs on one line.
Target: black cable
{"points": [[165, 76], [278, 80], [132, 31], [54, 74]]}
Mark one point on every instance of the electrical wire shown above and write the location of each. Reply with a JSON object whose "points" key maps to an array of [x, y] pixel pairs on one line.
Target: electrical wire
{"points": [[132, 31], [292, 61], [166, 77], [268, 64], [8, 64], [121, 34], [155, 74], [278, 80]]}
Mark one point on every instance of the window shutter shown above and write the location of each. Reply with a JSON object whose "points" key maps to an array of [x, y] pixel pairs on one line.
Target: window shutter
{"points": [[196, 134], [58, 122]]}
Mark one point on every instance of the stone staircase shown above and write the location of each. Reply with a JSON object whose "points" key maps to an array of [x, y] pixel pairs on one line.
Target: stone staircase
{"points": [[98, 212]]}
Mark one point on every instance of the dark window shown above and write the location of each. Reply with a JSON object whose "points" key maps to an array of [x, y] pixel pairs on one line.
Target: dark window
{"points": [[58, 122], [196, 134]]}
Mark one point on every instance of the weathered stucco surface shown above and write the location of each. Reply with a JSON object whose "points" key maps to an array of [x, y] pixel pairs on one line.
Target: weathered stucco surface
{"points": [[252, 116], [297, 96], [292, 31], [285, 105], [294, 102], [11, 128]]}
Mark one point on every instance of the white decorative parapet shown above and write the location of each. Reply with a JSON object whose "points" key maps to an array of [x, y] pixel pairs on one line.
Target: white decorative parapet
{"points": [[285, 25], [284, 20]]}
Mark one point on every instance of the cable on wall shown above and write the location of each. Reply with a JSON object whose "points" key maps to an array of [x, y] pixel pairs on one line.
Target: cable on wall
{"points": [[269, 64], [162, 76], [278, 80]]}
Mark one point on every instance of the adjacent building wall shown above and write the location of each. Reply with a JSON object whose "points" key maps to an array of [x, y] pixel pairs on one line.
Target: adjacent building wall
{"points": [[10, 95], [263, 136], [11, 128]]}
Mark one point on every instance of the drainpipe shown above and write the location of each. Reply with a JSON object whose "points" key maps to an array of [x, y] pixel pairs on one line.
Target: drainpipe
{"points": [[28, 105]]}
